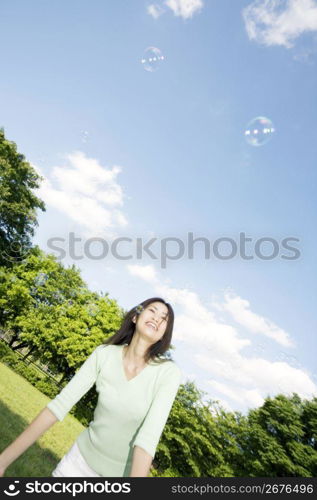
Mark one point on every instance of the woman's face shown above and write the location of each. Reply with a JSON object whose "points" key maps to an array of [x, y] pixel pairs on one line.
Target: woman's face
{"points": [[153, 321]]}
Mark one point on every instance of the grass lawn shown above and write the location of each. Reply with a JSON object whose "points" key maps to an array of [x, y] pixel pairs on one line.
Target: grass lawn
{"points": [[20, 403]]}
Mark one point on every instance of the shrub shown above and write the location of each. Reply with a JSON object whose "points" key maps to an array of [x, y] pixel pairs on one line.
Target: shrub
{"points": [[83, 410]]}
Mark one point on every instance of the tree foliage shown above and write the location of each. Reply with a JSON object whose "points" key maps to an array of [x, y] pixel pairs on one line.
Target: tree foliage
{"points": [[50, 310], [277, 439], [18, 203]]}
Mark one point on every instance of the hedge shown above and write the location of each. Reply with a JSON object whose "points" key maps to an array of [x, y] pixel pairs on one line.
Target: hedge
{"points": [[83, 410]]}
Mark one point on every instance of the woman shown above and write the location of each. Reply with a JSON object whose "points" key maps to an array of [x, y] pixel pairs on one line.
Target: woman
{"points": [[136, 390]]}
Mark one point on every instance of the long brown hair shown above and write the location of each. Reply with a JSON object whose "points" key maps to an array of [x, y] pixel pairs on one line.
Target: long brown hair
{"points": [[127, 329]]}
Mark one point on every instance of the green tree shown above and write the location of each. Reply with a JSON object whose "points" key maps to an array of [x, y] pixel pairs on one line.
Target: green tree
{"points": [[309, 419], [203, 440], [274, 440], [50, 310], [18, 203], [37, 281], [191, 444]]}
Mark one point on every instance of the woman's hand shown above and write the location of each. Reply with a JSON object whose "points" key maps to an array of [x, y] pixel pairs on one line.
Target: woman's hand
{"points": [[2, 470], [44, 420], [141, 462]]}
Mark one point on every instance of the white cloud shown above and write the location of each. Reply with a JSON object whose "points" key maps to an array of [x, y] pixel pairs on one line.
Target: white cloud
{"points": [[250, 398], [155, 10], [306, 54], [87, 193], [147, 273], [240, 311], [197, 325], [276, 22], [225, 405], [181, 8], [184, 8], [257, 374], [217, 347]]}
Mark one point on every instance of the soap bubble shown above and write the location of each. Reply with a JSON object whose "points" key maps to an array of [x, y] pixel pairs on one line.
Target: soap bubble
{"points": [[152, 59], [293, 361], [58, 297], [259, 349], [288, 358], [41, 279], [281, 356], [259, 131], [16, 252], [84, 136], [92, 309]]}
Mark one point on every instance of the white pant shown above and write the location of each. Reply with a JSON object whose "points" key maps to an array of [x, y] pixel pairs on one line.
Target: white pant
{"points": [[73, 464]]}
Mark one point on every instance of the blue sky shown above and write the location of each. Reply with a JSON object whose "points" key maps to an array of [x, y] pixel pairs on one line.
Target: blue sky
{"points": [[130, 153]]}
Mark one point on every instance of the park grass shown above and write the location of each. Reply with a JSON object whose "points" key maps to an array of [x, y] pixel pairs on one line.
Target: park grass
{"points": [[20, 403]]}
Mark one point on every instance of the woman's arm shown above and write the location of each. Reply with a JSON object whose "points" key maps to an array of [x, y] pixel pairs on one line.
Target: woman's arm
{"points": [[56, 409], [141, 463], [148, 436], [44, 420], [149, 433]]}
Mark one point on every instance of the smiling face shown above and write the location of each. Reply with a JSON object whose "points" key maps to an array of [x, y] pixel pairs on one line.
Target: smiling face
{"points": [[152, 321]]}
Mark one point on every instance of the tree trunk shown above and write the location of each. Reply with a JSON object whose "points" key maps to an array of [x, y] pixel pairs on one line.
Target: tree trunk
{"points": [[28, 353], [66, 373], [13, 339], [19, 346]]}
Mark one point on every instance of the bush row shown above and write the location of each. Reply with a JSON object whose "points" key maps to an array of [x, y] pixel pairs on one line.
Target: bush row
{"points": [[83, 410]]}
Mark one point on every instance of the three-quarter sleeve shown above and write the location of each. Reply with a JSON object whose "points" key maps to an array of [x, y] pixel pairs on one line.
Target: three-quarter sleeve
{"points": [[154, 422], [81, 382]]}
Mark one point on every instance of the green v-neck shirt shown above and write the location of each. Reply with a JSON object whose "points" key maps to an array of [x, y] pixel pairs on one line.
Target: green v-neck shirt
{"points": [[128, 412]]}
